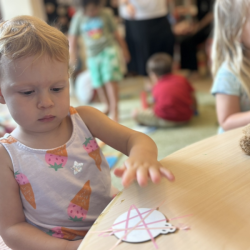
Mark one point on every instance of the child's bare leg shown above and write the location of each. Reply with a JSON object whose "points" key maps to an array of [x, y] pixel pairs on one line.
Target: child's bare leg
{"points": [[113, 92], [103, 98]]}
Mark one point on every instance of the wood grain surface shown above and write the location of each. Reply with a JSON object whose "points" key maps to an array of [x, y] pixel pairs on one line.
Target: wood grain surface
{"points": [[212, 183]]}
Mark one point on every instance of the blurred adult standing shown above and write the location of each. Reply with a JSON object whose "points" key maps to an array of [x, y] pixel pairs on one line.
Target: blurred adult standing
{"points": [[198, 33], [147, 31]]}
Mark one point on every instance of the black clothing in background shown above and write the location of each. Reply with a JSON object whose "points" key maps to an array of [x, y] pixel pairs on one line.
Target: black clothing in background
{"points": [[146, 37], [59, 15], [110, 4], [204, 7], [188, 46]]}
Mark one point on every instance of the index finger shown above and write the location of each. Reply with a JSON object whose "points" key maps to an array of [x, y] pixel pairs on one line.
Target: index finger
{"points": [[166, 173]]}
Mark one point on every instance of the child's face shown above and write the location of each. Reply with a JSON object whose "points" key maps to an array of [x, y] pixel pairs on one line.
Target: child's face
{"points": [[92, 10], [36, 93]]}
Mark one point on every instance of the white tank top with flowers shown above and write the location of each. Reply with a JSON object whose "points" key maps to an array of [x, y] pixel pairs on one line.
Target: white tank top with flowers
{"points": [[63, 190]]}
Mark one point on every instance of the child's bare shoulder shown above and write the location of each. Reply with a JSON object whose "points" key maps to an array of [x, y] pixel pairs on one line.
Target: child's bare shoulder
{"points": [[5, 159], [81, 109], [94, 119], [86, 112]]}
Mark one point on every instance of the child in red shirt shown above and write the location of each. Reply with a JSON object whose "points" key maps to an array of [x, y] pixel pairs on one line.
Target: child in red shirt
{"points": [[174, 100]]}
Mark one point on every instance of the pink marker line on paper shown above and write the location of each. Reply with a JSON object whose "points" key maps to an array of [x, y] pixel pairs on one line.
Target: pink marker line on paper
{"points": [[119, 241], [131, 218], [180, 217], [110, 229], [114, 230], [145, 225], [152, 222], [127, 220], [101, 234], [183, 227], [175, 218]]}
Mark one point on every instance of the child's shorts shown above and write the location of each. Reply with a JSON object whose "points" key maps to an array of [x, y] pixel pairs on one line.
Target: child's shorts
{"points": [[148, 118], [105, 67]]}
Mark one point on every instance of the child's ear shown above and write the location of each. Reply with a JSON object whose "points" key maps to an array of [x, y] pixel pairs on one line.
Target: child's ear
{"points": [[2, 98]]}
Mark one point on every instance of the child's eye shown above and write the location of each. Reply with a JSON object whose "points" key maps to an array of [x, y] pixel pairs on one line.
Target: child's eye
{"points": [[56, 89], [27, 92]]}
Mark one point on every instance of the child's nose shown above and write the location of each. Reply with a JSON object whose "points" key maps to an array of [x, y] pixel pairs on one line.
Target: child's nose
{"points": [[45, 101]]}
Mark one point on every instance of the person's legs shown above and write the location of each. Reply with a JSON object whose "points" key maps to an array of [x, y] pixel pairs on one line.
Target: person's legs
{"points": [[130, 40], [111, 75], [101, 92], [188, 54], [161, 37], [188, 49], [152, 36], [137, 37], [113, 95], [94, 67], [148, 118], [146, 37]]}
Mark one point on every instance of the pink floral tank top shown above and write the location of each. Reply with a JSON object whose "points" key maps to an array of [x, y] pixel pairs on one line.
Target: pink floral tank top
{"points": [[63, 190]]}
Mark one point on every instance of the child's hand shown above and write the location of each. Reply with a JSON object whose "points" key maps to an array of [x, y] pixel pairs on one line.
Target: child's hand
{"points": [[141, 169], [130, 10]]}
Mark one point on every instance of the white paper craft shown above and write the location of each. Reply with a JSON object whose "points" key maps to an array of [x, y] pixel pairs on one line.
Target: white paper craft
{"points": [[129, 219]]}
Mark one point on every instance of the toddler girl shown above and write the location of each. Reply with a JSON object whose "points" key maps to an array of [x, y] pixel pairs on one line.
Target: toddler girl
{"points": [[97, 27], [231, 63], [54, 180]]}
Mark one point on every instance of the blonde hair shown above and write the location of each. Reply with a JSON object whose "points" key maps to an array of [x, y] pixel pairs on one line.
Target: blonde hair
{"points": [[24, 36], [230, 17]]}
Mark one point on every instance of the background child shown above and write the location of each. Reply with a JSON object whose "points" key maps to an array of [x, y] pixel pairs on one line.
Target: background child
{"points": [[174, 100], [51, 165], [231, 65], [98, 28], [147, 31]]}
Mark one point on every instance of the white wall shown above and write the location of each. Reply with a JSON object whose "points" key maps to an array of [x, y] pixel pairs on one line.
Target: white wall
{"points": [[11, 8]]}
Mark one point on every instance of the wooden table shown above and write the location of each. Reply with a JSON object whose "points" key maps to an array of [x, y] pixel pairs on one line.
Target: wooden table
{"points": [[212, 183]]}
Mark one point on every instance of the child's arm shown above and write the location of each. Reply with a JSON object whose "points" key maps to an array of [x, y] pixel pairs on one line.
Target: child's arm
{"points": [[17, 233], [206, 20], [123, 45], [142, 151], [228, 112]]}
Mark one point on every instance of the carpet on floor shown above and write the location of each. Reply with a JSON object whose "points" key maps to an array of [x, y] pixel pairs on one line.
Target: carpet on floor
{"points": [[170, 140]]}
